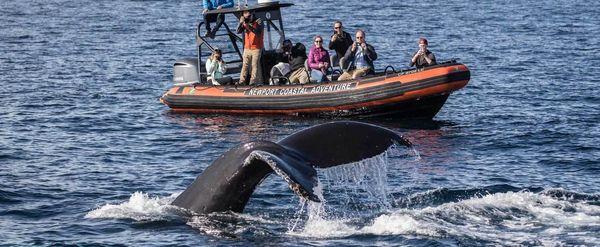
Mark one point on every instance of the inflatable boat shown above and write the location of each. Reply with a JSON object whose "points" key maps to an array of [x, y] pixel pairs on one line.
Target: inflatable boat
{"points": [[416, 93]]}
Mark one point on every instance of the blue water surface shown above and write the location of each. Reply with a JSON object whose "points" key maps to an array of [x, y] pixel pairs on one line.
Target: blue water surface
{"points": [[510, 159]]}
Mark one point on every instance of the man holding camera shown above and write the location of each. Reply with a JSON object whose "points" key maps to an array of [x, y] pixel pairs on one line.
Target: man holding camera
{"points": [[252, 28], [340, 41], [422, 57], [219, 18], [360, 56]]}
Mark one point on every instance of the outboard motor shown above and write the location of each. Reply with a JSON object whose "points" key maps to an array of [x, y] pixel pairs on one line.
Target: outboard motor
{"points": [[185, 70]]}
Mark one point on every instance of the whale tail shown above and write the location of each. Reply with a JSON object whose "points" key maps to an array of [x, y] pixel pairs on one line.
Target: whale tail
{"points": [[228, 183]]}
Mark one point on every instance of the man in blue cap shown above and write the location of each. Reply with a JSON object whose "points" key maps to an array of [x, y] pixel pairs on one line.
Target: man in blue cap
{"points": [[219, 18]]}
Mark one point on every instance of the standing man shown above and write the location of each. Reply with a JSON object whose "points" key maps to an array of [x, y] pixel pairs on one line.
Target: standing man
{"points": [[422, 57], [252, 28], [360, 56], [219, 18], [340, 41]]}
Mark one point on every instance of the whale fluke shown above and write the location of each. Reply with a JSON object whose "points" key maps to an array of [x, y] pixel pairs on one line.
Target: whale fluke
{"points": [[339, 143], [228, 183]]}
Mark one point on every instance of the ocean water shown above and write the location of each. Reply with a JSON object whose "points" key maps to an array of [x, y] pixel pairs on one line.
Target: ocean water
{"points": [[88, 155]]}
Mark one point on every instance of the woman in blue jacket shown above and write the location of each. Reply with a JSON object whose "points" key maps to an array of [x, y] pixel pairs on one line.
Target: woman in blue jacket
{"points": [[219, 18]]}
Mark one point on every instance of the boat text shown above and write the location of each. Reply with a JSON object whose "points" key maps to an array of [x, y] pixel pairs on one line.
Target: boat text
{"points": [[326, 88]]}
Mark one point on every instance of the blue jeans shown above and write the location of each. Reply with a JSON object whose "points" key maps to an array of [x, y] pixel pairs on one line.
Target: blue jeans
{"points": [[317, 75]]}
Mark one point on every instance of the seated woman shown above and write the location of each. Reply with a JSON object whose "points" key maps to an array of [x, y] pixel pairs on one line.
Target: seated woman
{"points": [[298, 58], [215, 67], [318, 60]]}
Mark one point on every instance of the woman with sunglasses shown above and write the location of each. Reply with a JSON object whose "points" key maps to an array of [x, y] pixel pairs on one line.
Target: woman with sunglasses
{"points": [[318, 60]]}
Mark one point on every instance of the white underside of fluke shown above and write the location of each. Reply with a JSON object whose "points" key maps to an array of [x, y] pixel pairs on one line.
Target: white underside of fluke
{"points": [[270, 160]]}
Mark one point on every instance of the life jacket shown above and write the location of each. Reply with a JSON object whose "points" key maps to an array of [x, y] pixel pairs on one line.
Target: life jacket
{"points": [[253, 41]]}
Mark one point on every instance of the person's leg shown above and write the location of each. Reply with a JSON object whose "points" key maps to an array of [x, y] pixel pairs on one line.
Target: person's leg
{"points": [[334, 60], [206, 23], [246, 62], [303, 77], [207, 20], [256, 74], [357, 73], [225, 80], [346, 75], [259, 66], [316, 75], [293, 79], [214, 82], [220, 20], [297, 75]]}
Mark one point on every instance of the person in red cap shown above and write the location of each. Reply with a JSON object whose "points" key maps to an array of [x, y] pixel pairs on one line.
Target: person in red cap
{"points": [[423, 57]]}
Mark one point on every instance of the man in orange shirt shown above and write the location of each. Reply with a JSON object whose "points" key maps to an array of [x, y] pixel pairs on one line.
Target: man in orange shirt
{"points": [[253, 45]]}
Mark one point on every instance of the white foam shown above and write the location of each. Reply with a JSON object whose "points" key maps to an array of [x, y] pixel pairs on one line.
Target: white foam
{"points": [[506, 218], [398, 225], [318, 225], [511, 218], [139, 207]]}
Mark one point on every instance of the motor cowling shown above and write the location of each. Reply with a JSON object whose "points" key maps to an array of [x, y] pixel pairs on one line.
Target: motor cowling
{"points": [[185, 70]]}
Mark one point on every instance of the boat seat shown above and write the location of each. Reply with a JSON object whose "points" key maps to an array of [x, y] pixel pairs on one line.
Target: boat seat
{"points": [[308, 69], [278, 74]]}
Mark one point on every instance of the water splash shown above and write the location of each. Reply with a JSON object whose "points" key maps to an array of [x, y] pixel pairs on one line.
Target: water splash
{"points": [[139, 207], [513, 218], [356, 201], [348, 194], [510, 218], [361, 184]]}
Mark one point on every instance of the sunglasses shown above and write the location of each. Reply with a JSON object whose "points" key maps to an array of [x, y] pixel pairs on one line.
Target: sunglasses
{"points": [[318, 41], [360, 37], [337, 27]]}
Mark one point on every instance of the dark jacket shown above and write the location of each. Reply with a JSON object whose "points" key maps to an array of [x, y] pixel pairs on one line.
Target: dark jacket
{"points": [[298, 56], [341, 44], [297, 63], [283, 56], [370, 56], [421, 62]]}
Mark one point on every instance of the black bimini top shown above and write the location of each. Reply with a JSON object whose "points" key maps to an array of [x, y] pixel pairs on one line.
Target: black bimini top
{"points": [[255, 8]]}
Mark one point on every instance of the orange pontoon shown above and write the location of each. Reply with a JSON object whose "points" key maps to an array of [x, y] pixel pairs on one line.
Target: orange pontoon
{"points": [[418, 93]]}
